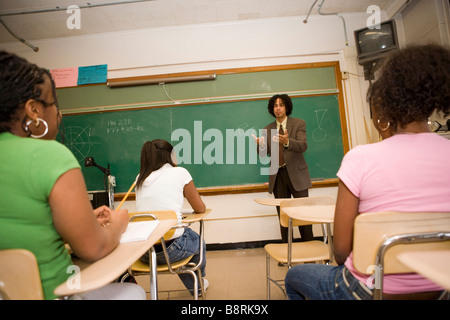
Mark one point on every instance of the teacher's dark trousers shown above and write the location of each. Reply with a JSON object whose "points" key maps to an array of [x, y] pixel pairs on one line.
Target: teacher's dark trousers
{"points": [[283, 189]]}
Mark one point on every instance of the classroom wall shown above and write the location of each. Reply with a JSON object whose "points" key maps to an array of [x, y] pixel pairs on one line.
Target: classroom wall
{"points": [[200, 47], [428, 21], [235, 218]]}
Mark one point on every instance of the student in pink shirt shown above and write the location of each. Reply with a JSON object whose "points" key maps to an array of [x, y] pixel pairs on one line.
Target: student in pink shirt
{"points": [[401, 173]]}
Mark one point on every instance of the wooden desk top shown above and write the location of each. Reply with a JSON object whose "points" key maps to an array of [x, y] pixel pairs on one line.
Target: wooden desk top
{"points": [[271, 201], [433, 265], [99, 273], [194, 217], [316, 213]]}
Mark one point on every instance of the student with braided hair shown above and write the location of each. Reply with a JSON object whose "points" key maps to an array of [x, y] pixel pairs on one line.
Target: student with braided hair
{"points": [[45, 197]]}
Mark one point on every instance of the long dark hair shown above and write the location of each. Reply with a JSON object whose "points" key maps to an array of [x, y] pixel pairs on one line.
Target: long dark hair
{"points": [[20, 81], [154, 155]]}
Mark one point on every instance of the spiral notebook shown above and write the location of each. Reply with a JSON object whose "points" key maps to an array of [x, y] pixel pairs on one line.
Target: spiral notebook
{"points": [[138, 231]]}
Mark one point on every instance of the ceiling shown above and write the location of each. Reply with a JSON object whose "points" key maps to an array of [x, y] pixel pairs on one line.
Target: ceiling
{"points": [[153, 14]]}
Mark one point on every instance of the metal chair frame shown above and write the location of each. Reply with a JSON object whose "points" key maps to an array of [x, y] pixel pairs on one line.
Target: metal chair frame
{"points": [[380, 237], [179, 267], [390, 242], [327, 240]]}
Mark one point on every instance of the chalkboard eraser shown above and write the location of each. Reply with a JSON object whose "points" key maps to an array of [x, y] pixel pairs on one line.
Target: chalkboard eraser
{"points": [[177, 102]]}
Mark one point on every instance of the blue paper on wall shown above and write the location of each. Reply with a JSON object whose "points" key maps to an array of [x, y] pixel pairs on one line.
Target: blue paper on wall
{"points": [[92, 74]]}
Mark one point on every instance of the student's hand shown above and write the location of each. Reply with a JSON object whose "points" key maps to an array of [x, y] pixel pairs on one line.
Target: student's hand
{"points": [[102, 214], [106, 215], [119, 217]]}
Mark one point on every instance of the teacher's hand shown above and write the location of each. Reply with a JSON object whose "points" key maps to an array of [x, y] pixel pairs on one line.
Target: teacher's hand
{"points": [[259, 141], [283, 138]]}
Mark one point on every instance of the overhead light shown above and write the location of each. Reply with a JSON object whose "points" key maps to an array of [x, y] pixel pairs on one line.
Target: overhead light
{"points": [[138, 82]]}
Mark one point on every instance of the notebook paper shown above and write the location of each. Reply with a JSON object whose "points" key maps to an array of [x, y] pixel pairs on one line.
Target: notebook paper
{"points": [[138, 231]]}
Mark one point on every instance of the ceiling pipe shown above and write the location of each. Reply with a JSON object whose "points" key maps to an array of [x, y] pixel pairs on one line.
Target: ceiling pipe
{"points": [[310, 9], [328, 14], [35, 49], [58, 8], [337, 14]]}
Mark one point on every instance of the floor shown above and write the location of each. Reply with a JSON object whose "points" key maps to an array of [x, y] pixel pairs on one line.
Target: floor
{"points": [[232, 275]]}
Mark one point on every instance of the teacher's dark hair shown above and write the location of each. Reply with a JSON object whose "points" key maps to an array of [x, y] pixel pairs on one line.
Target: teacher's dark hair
{"points": [[414, 83], [19, 82], [287, 103], [154, 155]]}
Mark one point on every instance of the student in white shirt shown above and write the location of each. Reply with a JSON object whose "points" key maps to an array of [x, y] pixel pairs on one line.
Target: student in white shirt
{"points": [[161, 185]]}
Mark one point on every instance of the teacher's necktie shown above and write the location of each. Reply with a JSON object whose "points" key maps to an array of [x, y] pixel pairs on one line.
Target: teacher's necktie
{"points": [[280, 149]]}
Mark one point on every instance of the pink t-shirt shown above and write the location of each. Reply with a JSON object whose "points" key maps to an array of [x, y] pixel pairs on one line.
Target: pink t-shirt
{"points": [[405, 173]]}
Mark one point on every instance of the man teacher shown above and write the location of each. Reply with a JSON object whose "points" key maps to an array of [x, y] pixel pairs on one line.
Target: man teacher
{"points": [[291, 177]]}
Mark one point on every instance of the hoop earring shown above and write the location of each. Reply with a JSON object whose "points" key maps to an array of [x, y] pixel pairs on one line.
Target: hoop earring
{"points": [[38, 120], [383, 129]]}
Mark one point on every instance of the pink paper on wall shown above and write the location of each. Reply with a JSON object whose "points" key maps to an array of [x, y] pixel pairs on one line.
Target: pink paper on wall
{"points": [[66, 77]]}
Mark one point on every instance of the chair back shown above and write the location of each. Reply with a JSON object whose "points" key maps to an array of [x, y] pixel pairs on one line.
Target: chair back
{"points": [[153, 215], [372, 229], [306, 204], [19, 275]]}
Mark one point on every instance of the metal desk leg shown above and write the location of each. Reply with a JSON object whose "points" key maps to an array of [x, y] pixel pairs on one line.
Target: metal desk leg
{"points": [[153, 275]]}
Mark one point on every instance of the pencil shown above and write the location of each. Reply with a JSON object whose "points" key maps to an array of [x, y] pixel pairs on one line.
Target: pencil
{"points": [[126, 196]]}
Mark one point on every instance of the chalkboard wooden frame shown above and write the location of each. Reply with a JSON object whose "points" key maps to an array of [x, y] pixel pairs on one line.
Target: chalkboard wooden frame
{"points": [[247, 188]]}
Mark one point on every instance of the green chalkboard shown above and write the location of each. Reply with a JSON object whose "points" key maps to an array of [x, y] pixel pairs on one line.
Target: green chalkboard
{"points": [[213, 140]]}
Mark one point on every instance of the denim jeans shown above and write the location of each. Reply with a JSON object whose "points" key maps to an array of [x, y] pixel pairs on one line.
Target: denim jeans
{"points": [[182, 247], [324, 282]]}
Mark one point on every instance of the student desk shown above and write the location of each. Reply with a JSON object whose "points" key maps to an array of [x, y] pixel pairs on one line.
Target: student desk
{"points": [[195, 217], [433, 265], [316, 213], [271, 201], [101, 272]]}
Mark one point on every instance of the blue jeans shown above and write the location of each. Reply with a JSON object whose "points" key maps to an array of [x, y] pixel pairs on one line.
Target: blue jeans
{"points": [[324, 282], [182, 247]]}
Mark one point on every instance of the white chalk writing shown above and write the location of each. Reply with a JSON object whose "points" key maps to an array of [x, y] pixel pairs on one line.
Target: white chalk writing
{"points": [[123, 126]]}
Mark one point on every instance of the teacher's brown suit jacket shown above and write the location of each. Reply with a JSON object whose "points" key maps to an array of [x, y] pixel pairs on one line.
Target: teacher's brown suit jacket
{"points": [[296, 165]]}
